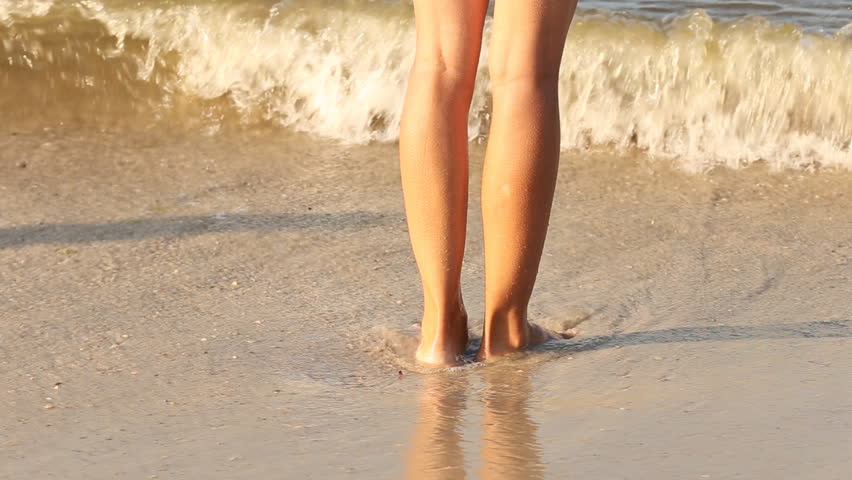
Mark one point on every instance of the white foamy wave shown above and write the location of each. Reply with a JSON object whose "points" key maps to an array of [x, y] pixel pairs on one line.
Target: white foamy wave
{"points": [[708, 93], [23, 8], [698, 91], [332, 72]]}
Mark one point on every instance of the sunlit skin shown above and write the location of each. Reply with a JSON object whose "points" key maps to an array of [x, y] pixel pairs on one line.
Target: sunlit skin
{"points": [[519, 176]]}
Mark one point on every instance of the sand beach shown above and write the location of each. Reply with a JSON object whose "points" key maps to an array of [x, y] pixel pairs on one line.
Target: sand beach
{"points": [[205, 270]]}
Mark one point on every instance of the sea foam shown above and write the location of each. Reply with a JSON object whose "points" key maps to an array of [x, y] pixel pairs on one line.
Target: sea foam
{"points": [[701, 92]]}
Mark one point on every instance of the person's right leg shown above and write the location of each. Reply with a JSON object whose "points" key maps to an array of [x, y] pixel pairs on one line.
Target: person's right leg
{"points": [[521, 163], [433, 160]]}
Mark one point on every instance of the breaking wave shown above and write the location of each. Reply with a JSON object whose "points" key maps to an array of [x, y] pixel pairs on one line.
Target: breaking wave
{"points": [[690, 88]]}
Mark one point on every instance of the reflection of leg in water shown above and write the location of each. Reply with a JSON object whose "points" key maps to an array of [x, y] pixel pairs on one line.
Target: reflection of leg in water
{"points": [[436, 452], [510, 448]]}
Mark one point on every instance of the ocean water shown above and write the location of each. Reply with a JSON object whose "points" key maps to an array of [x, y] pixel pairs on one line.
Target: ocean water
{"points": [[825, 16], [701, 84]]}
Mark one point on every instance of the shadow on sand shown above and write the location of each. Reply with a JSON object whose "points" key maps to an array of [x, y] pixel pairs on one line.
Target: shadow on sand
{"points": [[710, 333], [172, 227]]}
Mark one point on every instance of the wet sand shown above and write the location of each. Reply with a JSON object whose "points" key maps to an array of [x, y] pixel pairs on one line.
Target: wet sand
{"points": [[219, 307]]}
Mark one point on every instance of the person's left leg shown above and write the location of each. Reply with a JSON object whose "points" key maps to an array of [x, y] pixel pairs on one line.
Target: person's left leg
{"points": [[434, 165]]}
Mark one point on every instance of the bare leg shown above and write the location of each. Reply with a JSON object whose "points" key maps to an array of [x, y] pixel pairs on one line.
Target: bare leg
{"points": [[434, 165], [521, 163]]}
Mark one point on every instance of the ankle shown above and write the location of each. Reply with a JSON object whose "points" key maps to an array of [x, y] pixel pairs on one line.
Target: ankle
{"points": [[443, 337], [444, 311], [506, 328], [444, 322]]}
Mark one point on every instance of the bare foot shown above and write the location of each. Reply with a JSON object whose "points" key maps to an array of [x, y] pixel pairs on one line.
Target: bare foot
{"points": [[444, 345], [535, 335]]}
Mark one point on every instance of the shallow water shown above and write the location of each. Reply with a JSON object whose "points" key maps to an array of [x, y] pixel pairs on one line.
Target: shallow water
{"points": [[188, 306]]}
